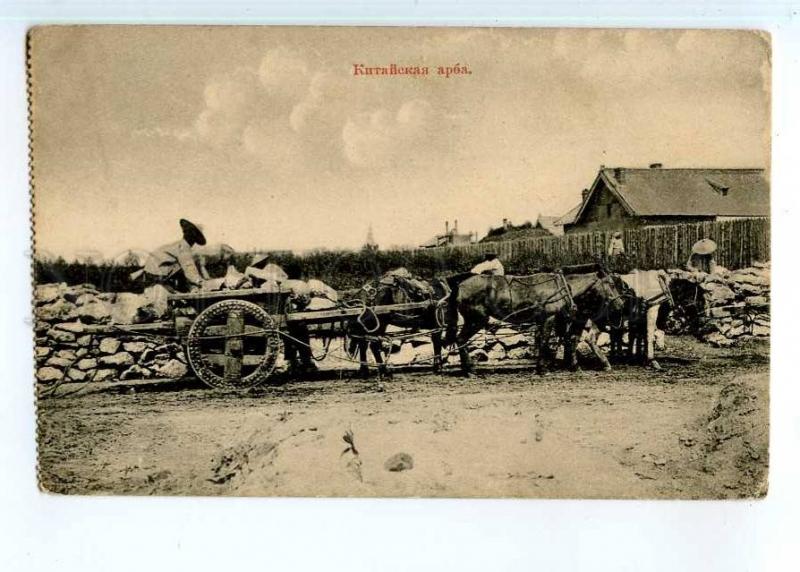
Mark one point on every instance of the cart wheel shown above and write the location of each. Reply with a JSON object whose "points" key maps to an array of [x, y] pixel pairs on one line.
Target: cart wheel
{"points": [[233, 344]]}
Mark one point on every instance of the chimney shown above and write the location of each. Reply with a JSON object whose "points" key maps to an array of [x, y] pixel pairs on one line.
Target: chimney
{"points": [[505, 222], [447, 227], [619, 174], [455, 226], [584, 194], [656, 165]]}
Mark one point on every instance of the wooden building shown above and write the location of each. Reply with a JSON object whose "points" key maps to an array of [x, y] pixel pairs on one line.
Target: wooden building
{"points": [[622, 197]]}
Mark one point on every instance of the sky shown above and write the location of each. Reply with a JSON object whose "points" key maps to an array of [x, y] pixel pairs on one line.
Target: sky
{"points": [[266, 138]]}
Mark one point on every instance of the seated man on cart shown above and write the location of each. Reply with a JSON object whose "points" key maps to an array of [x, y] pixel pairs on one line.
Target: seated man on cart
{"points": [[176, 266]]}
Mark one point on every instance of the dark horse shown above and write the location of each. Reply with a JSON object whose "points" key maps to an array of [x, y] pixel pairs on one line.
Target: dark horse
{"points": [[538, 300], [369, 329]]}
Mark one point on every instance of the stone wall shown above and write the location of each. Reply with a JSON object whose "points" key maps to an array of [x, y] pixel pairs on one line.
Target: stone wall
{"points": [[66, 352]]}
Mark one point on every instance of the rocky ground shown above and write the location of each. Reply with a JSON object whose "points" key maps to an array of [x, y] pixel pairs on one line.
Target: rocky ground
{"points": [[698, 428]]}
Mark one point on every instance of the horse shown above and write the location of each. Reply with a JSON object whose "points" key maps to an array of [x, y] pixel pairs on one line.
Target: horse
{"points": [[646, 299], [534, 299], [598, 296], [396, 288]]}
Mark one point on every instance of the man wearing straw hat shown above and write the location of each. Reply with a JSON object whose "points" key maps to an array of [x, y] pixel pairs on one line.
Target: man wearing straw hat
{"points": [[175, 265], [702, 257]]}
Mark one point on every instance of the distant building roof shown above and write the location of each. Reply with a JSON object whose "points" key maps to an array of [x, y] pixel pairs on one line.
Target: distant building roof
{"points": [[569, 216], [547, 223], [685, 192]]}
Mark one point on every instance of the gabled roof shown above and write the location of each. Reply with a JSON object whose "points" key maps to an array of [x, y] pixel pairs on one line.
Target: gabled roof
{"points": [[569, 216], [685, 192], [548, 223]]}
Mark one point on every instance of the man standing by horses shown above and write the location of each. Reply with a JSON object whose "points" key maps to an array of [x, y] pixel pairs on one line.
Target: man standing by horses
{"points": [[176, 265], [490, 265]]}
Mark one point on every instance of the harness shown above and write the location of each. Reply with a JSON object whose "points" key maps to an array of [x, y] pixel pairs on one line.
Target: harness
{"points": [[562, 292]]}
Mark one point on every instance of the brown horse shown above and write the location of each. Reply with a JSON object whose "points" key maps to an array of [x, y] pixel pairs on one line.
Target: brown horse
{"points": [[540, 301], [601, 301], [368, 331]]}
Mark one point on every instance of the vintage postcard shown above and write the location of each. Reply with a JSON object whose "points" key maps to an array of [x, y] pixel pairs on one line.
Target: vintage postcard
{"points": [[436, 262]]}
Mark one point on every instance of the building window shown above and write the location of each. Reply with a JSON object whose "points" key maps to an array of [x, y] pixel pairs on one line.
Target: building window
{"points": [[609, 210]]}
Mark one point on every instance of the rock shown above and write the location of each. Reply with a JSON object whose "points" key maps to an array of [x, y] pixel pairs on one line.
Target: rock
{"points": [[41, 352], [173, 369], [233, 278], [719, 312], [60, 336], [110, 345], [41, 327], [94, 312], [104, 374], [86, 364], [45, 374], [319, 303], [84, 341], [737, 331], [479, 355], [134, 347], [119, 359], [514, 340], [85, 299], [73, 327], [214, 284], [399, 462], [147, 356], [126, 308], [519, 353], [749, 278], [718, 340], [81, 352], [66, 354], [76, 374], [660, 341], [756, 301], [56, 311], [760, 331], [46, 293], [136, 372], [496, 353], [171, 348], [156, 300], [718, 294]]}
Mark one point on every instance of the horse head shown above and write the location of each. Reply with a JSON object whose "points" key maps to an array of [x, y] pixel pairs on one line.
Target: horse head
{"points": [[612, 291]]}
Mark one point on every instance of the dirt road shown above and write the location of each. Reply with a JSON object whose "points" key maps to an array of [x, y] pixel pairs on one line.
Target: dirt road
{"points": [[695, 429]]}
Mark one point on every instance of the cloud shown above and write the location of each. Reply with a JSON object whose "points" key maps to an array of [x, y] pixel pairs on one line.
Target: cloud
{"points": [[382, 137]]}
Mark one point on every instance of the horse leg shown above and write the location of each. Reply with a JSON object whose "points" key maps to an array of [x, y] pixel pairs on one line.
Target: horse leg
{"points": [[598, 353], [650, 333], [363, 368], [544, 328], [467, 331], [377, 352], [436, 339], [544, 334]]}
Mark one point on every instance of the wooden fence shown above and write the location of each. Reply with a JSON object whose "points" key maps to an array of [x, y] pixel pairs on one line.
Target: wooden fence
{"points": [[740, 242]]}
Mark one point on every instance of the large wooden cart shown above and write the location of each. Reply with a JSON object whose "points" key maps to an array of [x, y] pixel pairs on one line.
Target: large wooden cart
{"points": [[232, 338]]}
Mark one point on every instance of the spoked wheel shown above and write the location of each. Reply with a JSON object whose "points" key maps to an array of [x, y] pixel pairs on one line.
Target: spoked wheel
{"points": [[233, 344]]}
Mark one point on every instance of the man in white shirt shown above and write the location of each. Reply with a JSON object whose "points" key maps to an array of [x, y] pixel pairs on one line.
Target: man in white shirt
{"points": [[490, 265]]}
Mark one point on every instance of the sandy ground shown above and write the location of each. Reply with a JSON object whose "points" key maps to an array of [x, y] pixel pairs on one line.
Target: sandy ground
{"points": [[696, 429]]}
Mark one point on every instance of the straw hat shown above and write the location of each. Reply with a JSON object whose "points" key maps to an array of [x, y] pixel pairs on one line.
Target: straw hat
{"points": [[192, 233], [704, 246]]}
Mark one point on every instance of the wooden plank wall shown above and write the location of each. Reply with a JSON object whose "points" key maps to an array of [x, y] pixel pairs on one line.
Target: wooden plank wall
{"points": [[740, 243]]}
